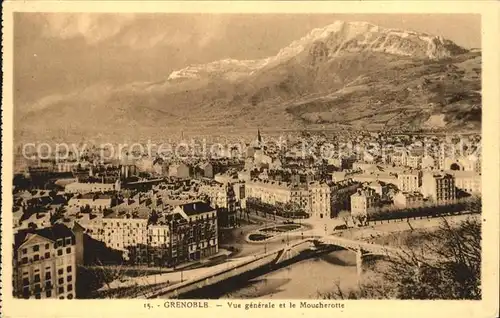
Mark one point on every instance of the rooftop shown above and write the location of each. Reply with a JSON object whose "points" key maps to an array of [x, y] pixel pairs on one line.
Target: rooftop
{"points": [[129, 213], [197, 207], [52, 233]]}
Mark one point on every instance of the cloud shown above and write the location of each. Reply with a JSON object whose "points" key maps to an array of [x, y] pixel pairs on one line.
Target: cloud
{"points": [[136, 31], [93, 27], [90, 94], [134, 39]]}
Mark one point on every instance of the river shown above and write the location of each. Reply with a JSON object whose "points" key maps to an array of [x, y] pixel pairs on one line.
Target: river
{"points": [[306, 279]]}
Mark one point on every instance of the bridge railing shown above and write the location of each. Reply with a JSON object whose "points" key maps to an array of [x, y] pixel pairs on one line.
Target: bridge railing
{"points": [[352, 244]]}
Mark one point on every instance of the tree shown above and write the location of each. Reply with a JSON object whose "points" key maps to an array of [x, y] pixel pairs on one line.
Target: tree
{"points": [[447, 265]]}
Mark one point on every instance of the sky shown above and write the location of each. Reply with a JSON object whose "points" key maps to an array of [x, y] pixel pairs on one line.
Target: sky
{"points": [[62, 53]]}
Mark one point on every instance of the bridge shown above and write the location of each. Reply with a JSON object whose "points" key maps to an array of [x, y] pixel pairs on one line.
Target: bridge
{"points": [[361, 249], [272, 258]]}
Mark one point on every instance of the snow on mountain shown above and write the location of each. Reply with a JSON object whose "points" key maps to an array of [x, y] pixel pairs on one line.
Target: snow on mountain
{"points": [[226, 66], [340, 38]]}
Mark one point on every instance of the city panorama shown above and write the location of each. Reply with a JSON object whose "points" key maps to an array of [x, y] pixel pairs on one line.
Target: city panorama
{"points": [[256, 156]]}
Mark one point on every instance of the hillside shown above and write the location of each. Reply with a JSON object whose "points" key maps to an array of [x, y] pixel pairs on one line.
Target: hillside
{"points": [[345, 75]]}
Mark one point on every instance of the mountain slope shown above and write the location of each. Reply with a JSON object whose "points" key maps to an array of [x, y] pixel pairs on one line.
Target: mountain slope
{"points": [[344, 75]]}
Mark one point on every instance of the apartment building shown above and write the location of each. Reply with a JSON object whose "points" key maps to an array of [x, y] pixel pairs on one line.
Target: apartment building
{"points": [[410, 180], [300, 196], [45, 262], [159, 243], [364, 201], [439, 187], [194, 232], [179, 170], [414, 161], [270, 192], [87, 187], [408, 199], [341, 195], [467, 181], [320, 200], [240, 193], [221, 195], [188, 232], [400, 158], [223, 199]]}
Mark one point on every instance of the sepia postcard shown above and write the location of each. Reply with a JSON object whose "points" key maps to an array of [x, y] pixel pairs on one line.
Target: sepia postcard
{"points": [[250, 158]]}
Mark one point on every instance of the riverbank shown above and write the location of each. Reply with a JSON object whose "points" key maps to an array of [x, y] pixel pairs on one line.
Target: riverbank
{"points": [[306, 279]]}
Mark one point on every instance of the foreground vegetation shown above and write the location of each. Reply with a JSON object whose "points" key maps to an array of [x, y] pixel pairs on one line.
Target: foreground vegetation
{"points": [[446, 265]]}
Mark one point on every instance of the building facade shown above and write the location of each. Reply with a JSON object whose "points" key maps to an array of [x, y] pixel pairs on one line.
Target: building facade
{"points": [[467, 181], [187, 233], [320, 200], [270, 192], [410, 181], [363, 202], [439, 187], [87, 187], [45, 263], [408, 199]]}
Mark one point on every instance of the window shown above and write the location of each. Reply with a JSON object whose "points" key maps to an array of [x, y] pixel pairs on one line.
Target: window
{"points": [[61, 290], [68, 241], [68, 269], [25, 250], [36, 248], [36, 257], [68, 250], [70, 296], [61, 281], [70, 287], [69, 278], [47, 255], [38, 296], [62, 297], [47, 246], [59, 252], [26, 292], [26, 282], [24, 260], [47, 276], [60, 271], [48, 293], [37, 278]]}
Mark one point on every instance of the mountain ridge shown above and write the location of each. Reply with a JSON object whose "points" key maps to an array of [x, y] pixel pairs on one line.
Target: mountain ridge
{"points": [[353, 75], [348, 35]]}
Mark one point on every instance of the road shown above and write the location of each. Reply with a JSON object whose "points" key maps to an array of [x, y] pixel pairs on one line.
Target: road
{"points": [[378, 230]]}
